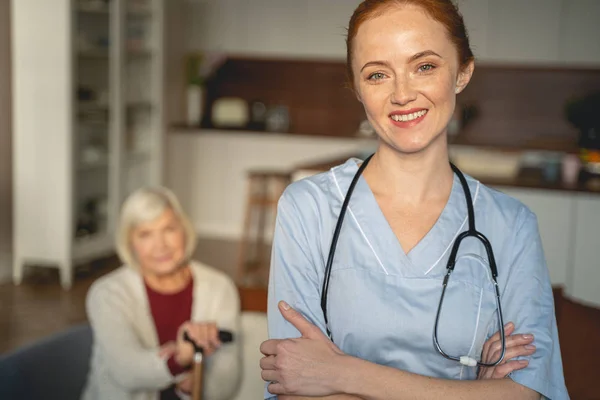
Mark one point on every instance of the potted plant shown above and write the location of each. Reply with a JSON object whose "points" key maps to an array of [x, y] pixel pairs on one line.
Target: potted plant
{"points": [[199, 66], [584, 114]]}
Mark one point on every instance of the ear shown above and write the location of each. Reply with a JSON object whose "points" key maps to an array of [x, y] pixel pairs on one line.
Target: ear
{"points": [[464, 76]]}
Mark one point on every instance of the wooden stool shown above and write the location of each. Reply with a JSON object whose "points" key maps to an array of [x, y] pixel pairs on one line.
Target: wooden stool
{"points": [[264, 190]]}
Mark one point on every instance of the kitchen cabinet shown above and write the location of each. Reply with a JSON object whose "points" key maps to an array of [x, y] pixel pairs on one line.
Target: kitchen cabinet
{"points": [[554, 211], [328, 23], [586, 250], [217, 26], [568, 224], [285, 30], [523, 31], [475, 14], [535, 31], [207, 170], [267, 27], [580, 30], [500, 31]]}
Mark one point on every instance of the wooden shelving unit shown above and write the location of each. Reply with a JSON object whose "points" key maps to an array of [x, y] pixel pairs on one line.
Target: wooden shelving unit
{"points": [[88, 124]]}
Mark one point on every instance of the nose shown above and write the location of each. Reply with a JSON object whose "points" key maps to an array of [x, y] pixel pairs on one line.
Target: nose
{"points": [[160, 241], [404, 91]]}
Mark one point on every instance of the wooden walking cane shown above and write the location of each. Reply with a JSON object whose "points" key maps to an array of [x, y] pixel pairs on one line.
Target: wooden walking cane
{"points": [[197, 376]]}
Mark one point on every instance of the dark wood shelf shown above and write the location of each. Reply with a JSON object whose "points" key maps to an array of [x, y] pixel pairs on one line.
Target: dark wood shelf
{"points": [[315, 93], [516, 106]]}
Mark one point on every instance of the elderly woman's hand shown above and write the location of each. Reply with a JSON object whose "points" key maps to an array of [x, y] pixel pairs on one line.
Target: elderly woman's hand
{"points": [[516, 345], [204, 334], [186, 384], [306, 366], [167, 350]]}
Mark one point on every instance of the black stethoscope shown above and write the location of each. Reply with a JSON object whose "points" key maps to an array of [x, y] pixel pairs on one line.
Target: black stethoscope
{"points": [[471, 232]]}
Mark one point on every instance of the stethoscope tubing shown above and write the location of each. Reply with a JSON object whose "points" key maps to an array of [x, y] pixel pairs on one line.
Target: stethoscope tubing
{"points": [[470, 232]]}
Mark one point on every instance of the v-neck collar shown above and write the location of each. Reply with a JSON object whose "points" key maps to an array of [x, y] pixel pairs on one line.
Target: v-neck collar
{"points": [[427, 254]]}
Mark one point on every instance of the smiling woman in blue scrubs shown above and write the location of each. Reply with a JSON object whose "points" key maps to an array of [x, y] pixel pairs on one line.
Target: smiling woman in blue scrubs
{"points": [[407, 62]]}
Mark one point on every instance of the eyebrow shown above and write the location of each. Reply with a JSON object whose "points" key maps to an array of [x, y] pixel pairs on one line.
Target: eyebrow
{"points": [[374, 63], [424, 54], [413, 58]]}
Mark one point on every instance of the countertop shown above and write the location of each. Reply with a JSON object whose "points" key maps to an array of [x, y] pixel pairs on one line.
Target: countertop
{"points": [[528, 178]]}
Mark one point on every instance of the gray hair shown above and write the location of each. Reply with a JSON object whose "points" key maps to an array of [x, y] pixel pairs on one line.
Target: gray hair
{"points": [[145, 205]]}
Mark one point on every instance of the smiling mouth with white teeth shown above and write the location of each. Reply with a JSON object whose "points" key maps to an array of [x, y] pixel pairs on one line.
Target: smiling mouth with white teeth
{"points": [[408, 117]]}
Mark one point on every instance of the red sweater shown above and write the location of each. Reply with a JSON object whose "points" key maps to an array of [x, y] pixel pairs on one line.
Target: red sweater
{"points": [[169, 311]]}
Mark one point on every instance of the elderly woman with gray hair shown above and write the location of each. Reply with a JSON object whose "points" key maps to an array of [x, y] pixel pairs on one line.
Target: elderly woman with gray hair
{"points": [[140, 311]]}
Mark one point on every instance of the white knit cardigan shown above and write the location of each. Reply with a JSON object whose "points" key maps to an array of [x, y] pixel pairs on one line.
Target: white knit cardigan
{"points": [[125, 364]]}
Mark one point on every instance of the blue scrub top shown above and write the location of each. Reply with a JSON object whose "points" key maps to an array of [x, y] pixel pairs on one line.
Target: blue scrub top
{"points": [[382, 302]]}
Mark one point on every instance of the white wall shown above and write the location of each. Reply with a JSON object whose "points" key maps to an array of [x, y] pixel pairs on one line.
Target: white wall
{"points": [[207, 170], [310, 28], [580, 31], [544, 32], [5, 143]]}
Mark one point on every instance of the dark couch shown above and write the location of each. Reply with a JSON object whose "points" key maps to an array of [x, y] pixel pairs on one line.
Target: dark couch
{"points": [[53, 368]]}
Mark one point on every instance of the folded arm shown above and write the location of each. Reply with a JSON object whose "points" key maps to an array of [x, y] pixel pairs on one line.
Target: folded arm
{"points": [[414, 386], [313, 366], [370, 381]]}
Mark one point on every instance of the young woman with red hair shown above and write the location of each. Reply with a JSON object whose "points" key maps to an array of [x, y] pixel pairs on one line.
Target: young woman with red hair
{"points": [[377, 282]]}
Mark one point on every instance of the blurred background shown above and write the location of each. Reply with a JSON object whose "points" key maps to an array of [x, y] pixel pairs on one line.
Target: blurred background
{"points": [[228, 101]]}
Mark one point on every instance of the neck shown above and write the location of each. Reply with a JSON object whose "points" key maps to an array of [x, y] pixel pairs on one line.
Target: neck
{"points": [[411, 178], [171, 282]]}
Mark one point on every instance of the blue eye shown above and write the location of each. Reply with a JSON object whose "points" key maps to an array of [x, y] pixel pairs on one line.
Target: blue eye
{"points": [[376, 76], [426, 67]]}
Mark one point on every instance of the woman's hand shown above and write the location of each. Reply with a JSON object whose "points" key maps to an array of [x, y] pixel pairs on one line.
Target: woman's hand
{"points": [[516, 345], [167, 350], [204, 334], [186, 384], [307, 366]]}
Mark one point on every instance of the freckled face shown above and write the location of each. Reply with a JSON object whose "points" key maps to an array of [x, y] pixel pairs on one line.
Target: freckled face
{"points": [[407, 76]]}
